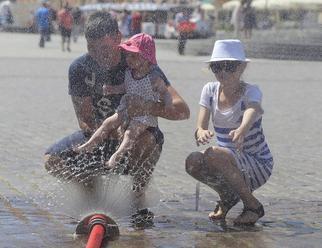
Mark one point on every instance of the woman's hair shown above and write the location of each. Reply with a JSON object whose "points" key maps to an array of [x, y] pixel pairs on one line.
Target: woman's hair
{"points": [[99, 24]]}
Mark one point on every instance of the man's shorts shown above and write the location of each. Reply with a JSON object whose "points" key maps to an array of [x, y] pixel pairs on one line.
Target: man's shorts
{"points": [[88, 163]]}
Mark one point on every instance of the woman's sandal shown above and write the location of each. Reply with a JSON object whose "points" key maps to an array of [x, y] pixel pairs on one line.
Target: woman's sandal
{"points": [[223, 208], [258, 211]]}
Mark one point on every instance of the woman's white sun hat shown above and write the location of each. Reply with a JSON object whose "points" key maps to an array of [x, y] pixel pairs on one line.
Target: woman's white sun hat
{"points": [[228, 50]]}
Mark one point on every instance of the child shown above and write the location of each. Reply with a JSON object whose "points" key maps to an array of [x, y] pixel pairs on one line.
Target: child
{"points": [[140, 79], [241, 162]]}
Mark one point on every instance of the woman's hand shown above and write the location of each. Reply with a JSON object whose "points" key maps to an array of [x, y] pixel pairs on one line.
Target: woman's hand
{"points": [[203, 136], [238, 136]]}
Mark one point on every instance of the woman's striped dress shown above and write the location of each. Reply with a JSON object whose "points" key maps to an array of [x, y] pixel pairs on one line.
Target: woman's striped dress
{"points": [[255, 160]]}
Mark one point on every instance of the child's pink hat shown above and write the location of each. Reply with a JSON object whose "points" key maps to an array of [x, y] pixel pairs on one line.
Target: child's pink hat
{"points": [[143, 44]]}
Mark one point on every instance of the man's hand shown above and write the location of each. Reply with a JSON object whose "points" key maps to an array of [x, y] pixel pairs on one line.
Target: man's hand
{"points": [[203, 136]]}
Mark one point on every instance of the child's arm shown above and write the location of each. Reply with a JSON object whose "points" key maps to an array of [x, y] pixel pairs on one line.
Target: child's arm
{"points": [[238, 135], [113, 89], [132, 133], [101, 133], [159, 86], [202, 134]]}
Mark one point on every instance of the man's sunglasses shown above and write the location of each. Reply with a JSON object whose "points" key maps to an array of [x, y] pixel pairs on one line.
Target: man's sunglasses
{"points": [[227, 66]]}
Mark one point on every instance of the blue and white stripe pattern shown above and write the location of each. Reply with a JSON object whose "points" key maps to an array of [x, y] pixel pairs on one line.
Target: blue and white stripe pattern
{"points": [[254, 160]]}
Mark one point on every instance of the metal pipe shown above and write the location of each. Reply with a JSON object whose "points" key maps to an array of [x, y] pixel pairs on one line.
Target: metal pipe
{"points": [[197, 195]]}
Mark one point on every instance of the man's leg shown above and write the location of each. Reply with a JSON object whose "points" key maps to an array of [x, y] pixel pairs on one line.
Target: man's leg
{"points": [[143, 159], [68, 35], [62, 162], [42, 38], [63, 34]]}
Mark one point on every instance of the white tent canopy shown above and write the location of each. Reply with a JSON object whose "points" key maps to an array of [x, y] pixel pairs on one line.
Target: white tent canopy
{"points": [[127, 6], [272, 4], [278, 4], [307, 4], [230, 5]]}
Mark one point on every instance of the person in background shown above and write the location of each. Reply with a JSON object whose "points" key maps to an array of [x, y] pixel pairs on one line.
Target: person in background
{"points": [[65, 22], [43, 22], [6, 16], [125, 23], [249, 19], [78, 21], [136, 23], [237, 19], [184, 27], [52, 20], [241, 162]]}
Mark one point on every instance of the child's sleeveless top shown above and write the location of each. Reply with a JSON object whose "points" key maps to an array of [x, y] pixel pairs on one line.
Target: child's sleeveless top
{"points": [[143, 88]]}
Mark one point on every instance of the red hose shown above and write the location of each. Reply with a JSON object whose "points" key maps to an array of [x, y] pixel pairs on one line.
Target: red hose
{"points": [[96, 236]]}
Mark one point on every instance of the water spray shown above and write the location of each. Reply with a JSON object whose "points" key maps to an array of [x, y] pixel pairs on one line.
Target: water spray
{"points": [[98, 227]]}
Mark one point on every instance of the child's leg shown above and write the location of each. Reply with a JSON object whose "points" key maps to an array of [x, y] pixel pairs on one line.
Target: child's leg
{"points": [[111, 123], [134, 130]]}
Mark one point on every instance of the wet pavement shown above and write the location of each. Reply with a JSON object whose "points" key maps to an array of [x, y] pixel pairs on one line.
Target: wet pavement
{"points": [[36, 211]]}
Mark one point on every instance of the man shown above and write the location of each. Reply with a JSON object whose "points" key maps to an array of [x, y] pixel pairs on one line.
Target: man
{"points": [[136, 23], [93, 85], [184, 28], [6, 16], [65, 22], [43, 22], [78, 21]]}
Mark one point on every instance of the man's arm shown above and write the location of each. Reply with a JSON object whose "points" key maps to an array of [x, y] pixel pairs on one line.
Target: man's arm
{"points": [[179, 110], [84, 112]]}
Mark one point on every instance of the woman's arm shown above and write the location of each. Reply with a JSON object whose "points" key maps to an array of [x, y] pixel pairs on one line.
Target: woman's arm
{"points": [[250, 114], [202, 134], [254, 109]]}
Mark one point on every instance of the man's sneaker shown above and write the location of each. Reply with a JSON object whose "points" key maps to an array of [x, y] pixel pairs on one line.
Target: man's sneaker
{"points": [[143, 218]]}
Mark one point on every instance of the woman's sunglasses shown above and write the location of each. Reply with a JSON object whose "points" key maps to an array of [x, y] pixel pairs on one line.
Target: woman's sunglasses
{"points": [[227, 66]]}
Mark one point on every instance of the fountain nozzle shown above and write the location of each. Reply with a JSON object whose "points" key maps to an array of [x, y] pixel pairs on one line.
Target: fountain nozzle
{"points": [[98, 227]]}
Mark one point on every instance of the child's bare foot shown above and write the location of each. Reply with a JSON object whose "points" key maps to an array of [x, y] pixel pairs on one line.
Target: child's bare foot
{"points": [[110, 164], [249, 216], [84, 148]]}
